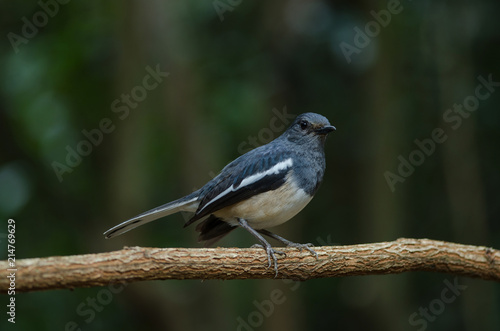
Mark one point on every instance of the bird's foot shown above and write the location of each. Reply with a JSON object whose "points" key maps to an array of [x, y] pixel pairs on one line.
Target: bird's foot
{"points": [[303, 246], [271, 253]]}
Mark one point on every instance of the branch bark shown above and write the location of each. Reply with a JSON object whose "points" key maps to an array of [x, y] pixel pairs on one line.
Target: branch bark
{"points": [[138, 264]]}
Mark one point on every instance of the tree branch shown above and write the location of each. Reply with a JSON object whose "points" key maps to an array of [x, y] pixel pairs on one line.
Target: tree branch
{"points": [[139, 264]]}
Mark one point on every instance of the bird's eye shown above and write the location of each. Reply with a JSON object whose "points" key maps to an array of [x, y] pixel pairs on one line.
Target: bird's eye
{"points": [[303, 124]]}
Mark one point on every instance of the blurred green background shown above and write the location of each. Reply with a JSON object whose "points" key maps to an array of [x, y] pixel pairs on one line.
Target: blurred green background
{"points": [[384, 73]]}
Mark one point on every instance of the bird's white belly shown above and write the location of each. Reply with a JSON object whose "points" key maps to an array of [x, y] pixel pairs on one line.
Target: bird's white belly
{"points": [[267, 209]]}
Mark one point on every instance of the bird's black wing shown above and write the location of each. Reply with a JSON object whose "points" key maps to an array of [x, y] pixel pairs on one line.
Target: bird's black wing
{"points": [[256, 172]]}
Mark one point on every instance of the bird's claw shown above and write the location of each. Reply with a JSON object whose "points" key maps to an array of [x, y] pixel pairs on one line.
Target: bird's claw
{"points": [[304, 246], [271, 253]]}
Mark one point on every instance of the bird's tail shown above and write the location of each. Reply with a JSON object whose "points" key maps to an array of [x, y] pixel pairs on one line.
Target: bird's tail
{"points": [[188, 203]]}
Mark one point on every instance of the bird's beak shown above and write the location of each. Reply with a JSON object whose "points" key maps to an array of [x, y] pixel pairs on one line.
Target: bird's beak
{"points": [[325, 130]]}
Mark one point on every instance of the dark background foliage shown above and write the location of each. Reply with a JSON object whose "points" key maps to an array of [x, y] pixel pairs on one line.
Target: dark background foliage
{"points": [[235, 68]]}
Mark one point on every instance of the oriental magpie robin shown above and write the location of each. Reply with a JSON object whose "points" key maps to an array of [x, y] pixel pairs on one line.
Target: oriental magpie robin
{"points": [[260, 189]]}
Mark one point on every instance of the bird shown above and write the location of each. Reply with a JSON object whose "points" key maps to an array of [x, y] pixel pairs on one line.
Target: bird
{"points": [[260, 189]]}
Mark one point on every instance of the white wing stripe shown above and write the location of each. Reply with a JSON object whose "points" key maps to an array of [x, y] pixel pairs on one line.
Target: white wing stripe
{"points": [[283, 165]]}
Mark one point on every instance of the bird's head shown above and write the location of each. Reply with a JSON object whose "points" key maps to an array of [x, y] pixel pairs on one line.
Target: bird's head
{"points": [[309, 127]]}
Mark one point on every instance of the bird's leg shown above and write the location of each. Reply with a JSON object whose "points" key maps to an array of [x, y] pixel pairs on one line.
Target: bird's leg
{"points": [[271, 252], [289, 243]]}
